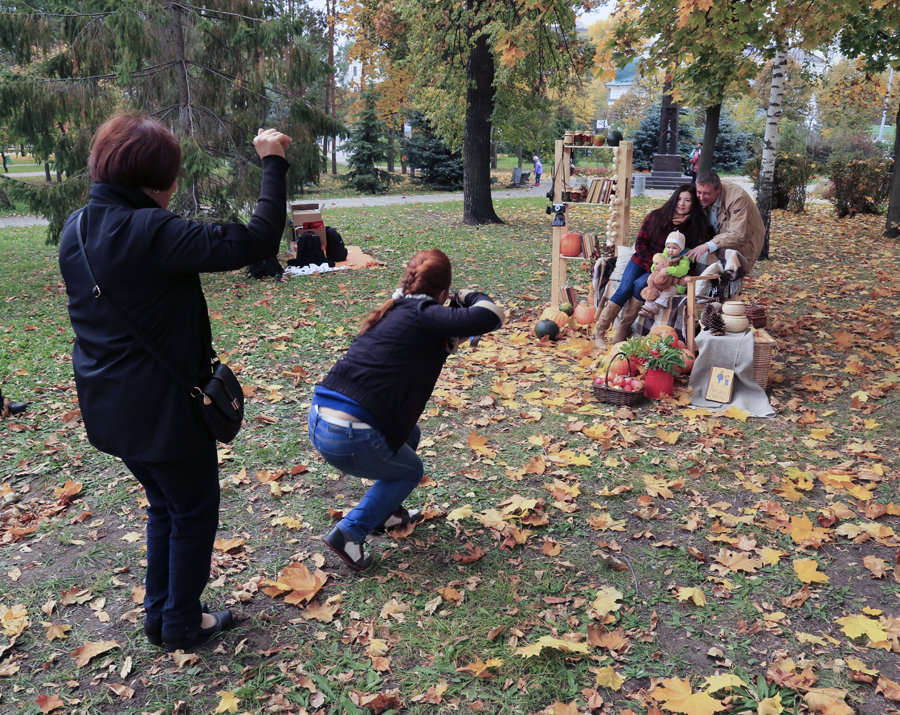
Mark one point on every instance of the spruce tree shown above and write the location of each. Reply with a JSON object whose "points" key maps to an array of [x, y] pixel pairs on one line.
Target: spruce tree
{"points": [[434, 161], [367, 146], [214, 73]]}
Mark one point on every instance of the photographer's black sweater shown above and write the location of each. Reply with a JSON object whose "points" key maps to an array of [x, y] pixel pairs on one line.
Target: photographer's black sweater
{"points": [[391, 369]]}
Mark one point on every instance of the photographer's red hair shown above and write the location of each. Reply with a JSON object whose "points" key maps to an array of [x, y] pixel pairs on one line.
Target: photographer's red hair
{"points": [[428, 272], [134, 150]]}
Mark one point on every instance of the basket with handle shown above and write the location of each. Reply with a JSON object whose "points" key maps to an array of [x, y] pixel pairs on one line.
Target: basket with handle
{"points": [[617, 397]]}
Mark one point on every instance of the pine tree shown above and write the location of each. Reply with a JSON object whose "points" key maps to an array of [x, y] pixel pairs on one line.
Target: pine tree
{"points": [[435, 163], [366, 147], [214, 73]]}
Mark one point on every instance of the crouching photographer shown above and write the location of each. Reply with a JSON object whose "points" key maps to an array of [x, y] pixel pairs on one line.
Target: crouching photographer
{"points": [[364, 412]]}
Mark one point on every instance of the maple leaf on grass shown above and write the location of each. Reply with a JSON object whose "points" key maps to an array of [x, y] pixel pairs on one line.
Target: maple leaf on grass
{"points": [[606, 601], [607, 677], [677, 696], [54, 631], [228, 702], [473, 553], [49, 703], [696, 595], [807, 571], [890, 689], [859, 625], [725, 681], [14, 620], [529, 651], [481, 669], [91, 649], [298, 582], [827, 701]]}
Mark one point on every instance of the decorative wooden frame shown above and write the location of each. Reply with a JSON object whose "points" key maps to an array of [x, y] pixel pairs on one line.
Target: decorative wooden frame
{"points": [[720, 387], [616, 226]]}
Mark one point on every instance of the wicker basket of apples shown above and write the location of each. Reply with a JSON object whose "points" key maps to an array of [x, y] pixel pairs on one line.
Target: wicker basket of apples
{"points": [[619, 389]]}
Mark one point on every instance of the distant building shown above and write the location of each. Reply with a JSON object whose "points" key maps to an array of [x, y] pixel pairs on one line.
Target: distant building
{"points": [[623, 82]]}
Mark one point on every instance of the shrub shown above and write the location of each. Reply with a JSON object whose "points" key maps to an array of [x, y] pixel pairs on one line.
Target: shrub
{"points": [[793, 172], [860, 185]]}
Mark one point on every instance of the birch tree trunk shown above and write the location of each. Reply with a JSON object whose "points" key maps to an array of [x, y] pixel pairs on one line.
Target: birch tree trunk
{"points": [[770, 143]]}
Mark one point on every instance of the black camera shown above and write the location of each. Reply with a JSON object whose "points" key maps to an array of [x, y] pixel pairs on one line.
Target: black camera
{"points": [[559, 214]]}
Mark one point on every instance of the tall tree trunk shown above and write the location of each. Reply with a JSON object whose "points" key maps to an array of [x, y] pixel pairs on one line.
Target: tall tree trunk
{"points": [[478, 207], [390, 146], [3, 156], [892, 227], [520, 154], [330, 84], [770, 143], [710, 134], [47, 171], [175, 33], [493, 152]]}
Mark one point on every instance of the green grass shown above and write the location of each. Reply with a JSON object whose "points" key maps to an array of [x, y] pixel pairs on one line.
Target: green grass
{"points": [[726, 478]]}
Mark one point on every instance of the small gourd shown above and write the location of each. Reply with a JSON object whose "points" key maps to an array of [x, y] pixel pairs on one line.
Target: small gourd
{"points": [[547, 328]]}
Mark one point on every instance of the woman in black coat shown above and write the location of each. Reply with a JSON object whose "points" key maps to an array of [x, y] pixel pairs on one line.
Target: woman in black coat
{"points": [[147, 262]]}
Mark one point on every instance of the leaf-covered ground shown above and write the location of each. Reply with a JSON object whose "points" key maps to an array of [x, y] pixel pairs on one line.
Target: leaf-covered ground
{"points": [[576, 557]]}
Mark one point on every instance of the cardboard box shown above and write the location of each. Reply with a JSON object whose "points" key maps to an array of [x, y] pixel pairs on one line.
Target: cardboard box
{"points": [[307, 216]]}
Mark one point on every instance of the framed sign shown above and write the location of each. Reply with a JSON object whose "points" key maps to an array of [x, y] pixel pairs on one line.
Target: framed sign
{"points": [[720, 385]]}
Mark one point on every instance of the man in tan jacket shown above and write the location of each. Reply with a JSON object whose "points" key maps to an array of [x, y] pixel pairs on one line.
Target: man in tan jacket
{"points": [[734, 218]]}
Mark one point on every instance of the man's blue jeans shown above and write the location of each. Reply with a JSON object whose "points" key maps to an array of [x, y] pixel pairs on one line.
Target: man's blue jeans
{"points": [[181, 526], [634, 280], [364, 453]]}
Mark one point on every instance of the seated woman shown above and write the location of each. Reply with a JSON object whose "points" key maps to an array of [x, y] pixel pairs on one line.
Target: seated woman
{"points": [[682, 212]]}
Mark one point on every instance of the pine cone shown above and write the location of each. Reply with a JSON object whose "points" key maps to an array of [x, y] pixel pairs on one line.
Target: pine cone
{"points": [[717, 324], [707, 314]]}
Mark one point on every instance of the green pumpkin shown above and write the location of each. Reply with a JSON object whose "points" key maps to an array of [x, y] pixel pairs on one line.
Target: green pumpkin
{"points": [[567, 308], [548, 328]]}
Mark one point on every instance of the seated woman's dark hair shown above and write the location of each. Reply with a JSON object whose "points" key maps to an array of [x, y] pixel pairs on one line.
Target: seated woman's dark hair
{"points": [[427, 273], [696, 231], [134, 150]]}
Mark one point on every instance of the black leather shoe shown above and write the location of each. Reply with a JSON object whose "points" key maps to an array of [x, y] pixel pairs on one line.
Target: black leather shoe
{"points": [[352, 553], [16, 408], [224, 621], [401, 517], [154, 632]]}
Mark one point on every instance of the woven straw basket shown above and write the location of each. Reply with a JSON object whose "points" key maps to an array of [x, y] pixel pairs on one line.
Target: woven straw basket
{"points": [[763, 348]]}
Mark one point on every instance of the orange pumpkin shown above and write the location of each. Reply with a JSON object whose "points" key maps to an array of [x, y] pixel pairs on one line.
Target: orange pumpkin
{"points": [[557, 316], [584, 314], [664, 330], [570, 245], [688, 361]]}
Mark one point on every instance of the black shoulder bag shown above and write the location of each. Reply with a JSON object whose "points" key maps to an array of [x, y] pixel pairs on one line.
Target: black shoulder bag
{"points": [[220, 401]]}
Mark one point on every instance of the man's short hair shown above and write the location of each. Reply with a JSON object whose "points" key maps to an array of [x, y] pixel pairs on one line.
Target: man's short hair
{"points": [[709, 178], [134, 150]]}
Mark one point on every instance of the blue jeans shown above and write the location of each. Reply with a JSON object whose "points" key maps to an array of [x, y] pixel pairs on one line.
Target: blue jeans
{"points": [[181, 526], [364, 453], [634, 280]]}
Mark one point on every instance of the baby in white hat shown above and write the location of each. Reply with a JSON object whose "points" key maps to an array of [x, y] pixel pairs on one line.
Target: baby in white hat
{"points": [[668, 269]]}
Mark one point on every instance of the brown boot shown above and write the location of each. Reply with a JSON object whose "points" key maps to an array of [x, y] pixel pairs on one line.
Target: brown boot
{"points": [[610, 311], [629, 314]]}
